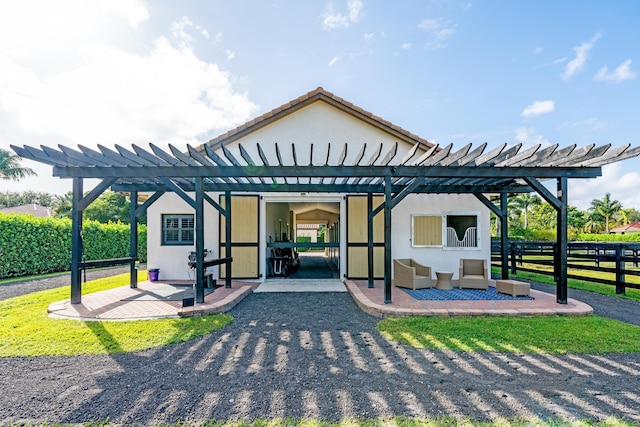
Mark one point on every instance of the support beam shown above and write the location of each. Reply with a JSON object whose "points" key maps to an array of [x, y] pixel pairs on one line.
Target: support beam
{"points": [[544, 192], [173, 187], [370, 239], [227, 240], [76, 242], [387, 240], [85, 201], [133, 238], [199, 241], [562, 242], [504, 234], [140, 210]]}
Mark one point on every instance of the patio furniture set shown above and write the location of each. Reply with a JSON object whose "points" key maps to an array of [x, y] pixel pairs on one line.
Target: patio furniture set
{"points": [[473, 274]]}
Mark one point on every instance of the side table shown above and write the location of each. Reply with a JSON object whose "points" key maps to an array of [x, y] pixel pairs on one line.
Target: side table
{"points": [[444, 280]]}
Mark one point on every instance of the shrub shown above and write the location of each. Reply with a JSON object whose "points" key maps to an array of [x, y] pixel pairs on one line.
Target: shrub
{"points": [[31, 245]]}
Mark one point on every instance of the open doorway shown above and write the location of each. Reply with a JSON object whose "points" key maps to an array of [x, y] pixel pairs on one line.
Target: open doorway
{"points": [[303, 239]]}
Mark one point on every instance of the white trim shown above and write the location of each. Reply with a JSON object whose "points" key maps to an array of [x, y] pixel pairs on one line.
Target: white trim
{"points": [[478, 216]]}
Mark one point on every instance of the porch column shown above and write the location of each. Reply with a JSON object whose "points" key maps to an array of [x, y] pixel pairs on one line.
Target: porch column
{"points": [[562, 241], [133, 238], [199, 240], [76, 242], [504, 235], [227, 240], [370, 239], [387, 239]]}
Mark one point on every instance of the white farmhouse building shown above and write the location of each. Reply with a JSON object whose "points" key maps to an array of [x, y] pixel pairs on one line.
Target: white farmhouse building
{"points": [[319, 128]]}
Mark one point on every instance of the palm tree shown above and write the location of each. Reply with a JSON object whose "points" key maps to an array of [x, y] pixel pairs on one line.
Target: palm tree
{"points": [[10, 166], [523, 203], [605, 208]]}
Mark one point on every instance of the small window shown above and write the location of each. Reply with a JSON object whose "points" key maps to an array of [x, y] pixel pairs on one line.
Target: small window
{"points": [[462, 231], [177, 229], [426, 230]]}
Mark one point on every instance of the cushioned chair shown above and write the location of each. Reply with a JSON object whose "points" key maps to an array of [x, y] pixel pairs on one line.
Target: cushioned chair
{"points": [[474, 274], [407, 273]]}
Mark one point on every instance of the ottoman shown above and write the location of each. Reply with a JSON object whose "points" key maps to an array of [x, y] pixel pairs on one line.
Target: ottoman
{"points": [[512, 287]]}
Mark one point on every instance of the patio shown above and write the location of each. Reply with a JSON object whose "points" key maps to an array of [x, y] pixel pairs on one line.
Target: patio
{"points": [[125, 303]]}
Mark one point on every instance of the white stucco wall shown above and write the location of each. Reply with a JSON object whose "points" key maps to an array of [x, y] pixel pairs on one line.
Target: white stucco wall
{"points": [[438, 258], [172, 260]]}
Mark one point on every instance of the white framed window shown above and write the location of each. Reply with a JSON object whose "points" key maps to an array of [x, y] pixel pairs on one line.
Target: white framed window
{"points": [[178, 229], [426, 230], [461, 230], [448, 230]]}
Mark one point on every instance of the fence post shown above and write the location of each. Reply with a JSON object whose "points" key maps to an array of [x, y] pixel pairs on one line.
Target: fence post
{"points": [[512, 248], [620, 252]]}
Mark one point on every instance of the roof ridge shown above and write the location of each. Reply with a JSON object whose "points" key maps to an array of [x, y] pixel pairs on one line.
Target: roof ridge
{"points": [[306, 99]]}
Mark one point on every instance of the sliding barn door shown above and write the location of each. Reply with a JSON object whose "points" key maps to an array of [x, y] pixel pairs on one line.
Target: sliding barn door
{"points": [[244, 237], [357, 259]]}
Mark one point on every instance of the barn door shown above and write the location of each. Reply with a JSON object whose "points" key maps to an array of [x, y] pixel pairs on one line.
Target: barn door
{"points": [[357, 259], [244, 237]]}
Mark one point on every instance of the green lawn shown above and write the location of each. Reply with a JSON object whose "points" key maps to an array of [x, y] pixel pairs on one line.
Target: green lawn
{"points": [[542, 334], [28, 331], [600, 288]]}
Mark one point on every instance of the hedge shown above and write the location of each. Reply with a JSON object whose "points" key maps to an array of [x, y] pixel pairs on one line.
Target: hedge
{"points": [[31, 245]]}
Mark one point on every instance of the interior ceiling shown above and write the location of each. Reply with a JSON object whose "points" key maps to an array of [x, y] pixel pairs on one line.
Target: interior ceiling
{"points": [[299, 208]]}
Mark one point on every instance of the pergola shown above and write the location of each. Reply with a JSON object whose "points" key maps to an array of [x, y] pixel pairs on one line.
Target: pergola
{"points": [[489, 175]]}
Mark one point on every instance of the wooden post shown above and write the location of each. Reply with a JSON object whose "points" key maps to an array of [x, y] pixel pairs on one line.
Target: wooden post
{"points": [[620, 253], [504, 235], [76, 242], [370, 239], [562, 242], [227, 242], [387, 239], [199, 240], [133, 238]]}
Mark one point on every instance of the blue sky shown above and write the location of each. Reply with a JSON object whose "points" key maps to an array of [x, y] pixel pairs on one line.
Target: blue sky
{"points": [[132, 71]]}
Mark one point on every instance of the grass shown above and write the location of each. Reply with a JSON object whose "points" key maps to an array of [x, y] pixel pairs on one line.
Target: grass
{"points": [[28, 331], [546, 334], [445, 421], [599, 288]]}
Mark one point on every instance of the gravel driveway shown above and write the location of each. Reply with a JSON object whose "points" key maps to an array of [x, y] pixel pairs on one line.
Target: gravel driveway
{"points": [[312, 355]]}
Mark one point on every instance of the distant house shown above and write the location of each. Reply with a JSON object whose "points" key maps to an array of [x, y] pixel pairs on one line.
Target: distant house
{"points": [[30, 209], [634, 227]]}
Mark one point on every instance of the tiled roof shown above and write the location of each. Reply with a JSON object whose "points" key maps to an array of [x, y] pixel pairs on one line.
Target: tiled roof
{"points": [[307, 99], [634, 226], [31, 209]]}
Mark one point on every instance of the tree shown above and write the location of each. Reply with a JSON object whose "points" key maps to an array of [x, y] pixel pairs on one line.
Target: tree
{"points": [[10, 166], [524, 203], [11, 199], [109, 207], [606, 209]]}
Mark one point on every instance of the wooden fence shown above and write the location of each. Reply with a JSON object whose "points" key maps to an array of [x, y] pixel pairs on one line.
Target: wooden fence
{"points": [[614, 264]]}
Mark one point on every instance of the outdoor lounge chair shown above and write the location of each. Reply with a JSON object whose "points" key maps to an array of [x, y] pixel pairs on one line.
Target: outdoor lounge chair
{"points": [[474, 274], [407, 273]]}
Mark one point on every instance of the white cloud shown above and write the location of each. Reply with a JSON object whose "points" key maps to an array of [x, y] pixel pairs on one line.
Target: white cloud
{"points": [[622, 185], [333, 61], [537, 50], [623, 72], [369, 37], [105, 93], [230, 54], [331, 18], [529, 137], [439, 30], [406, 46], [582, 53], [591, 124], [537, 108]]}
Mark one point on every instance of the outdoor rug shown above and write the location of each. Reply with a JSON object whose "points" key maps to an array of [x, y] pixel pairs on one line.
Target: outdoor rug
{"points": [[166, 292], [456, 294]]}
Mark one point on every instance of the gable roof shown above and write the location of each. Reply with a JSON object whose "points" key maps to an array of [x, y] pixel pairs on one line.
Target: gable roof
{"points": [[30, 209], [634, 226], [319, 94]]}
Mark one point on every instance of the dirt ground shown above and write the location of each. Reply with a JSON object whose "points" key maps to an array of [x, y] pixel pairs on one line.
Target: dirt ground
{"points": [[316, 355]]}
